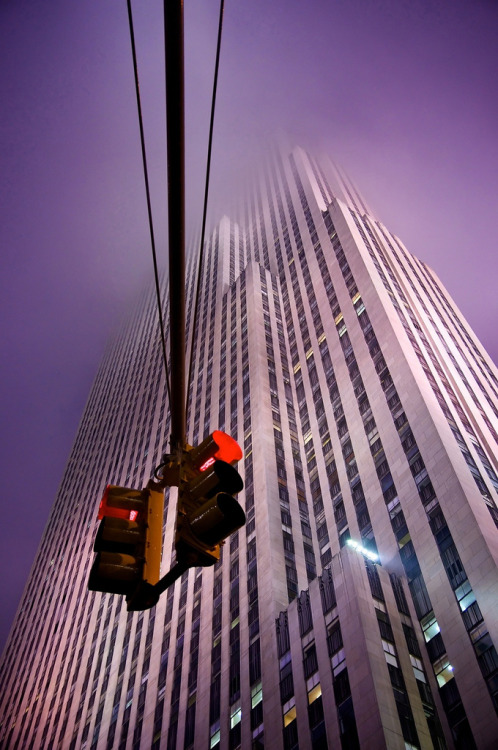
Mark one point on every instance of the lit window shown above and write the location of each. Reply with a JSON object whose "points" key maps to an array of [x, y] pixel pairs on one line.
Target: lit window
{"points": [[314, 693], [467, 600], [289, 716], [256, 695], [235, 717], [443, 671], [430, 627]]}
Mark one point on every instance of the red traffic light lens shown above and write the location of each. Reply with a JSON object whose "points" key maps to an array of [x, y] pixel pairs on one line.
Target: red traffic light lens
{"points": [[106, 510], [228, 449], [216, 447], [121, 502]]}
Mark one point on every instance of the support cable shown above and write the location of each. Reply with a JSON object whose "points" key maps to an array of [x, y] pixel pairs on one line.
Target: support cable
{"points": [[147, 191], [206, 193]]}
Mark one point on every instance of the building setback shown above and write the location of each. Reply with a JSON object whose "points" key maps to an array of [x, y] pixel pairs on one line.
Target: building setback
{"points": [[367, 412]]}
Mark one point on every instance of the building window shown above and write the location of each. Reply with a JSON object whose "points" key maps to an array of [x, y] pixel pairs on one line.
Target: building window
{"points": [[304, 613], [310, 661]]}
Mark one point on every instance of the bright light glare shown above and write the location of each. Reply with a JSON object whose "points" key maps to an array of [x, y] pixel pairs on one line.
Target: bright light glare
{"points": [[364, 551], [133, 515], [207, 464]]}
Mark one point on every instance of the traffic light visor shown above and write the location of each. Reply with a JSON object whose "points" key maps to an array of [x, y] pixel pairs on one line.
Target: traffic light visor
{"points": [[121, 502], [217, 446], [228, 449], [217, 518]]}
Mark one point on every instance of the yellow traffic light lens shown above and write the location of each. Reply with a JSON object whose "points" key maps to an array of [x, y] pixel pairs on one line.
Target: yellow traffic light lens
{"points": [[217, 518]]}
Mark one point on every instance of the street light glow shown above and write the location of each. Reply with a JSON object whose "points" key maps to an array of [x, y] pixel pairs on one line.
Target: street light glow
{"points": [[364, 551]]}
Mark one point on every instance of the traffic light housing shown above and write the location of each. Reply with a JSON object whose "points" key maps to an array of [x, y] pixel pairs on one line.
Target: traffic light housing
{"points": [[129, 544], [207, 509], [129, 539]]}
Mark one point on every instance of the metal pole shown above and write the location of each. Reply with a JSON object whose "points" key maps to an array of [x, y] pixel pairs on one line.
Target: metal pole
{"points": [[173, 35], [170, 577]]}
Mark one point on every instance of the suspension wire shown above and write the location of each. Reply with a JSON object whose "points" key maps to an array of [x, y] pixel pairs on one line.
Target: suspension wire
{"points": [[147, 191], [206, 193]]}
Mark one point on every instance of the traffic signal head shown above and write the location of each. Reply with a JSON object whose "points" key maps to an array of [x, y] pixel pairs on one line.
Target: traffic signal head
{"points": [[207, 511], [128, 542]]}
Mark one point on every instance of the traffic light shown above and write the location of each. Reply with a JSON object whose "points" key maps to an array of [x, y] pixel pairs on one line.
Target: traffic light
{"points": [[207, 510], [129, 544]]}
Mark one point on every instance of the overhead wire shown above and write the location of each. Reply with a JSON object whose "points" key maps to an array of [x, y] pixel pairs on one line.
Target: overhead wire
{"points": [[149, 207], [206, 194]]}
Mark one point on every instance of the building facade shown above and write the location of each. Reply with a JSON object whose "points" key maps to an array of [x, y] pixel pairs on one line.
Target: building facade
{"points": [[358, 607]]}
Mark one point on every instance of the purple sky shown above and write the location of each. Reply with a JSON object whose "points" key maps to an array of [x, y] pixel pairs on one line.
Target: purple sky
{"points": [[400, 92]]}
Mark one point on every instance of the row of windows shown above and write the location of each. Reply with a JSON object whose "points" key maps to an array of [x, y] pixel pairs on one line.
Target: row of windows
{"points": [[454, 569], [453, 398]]}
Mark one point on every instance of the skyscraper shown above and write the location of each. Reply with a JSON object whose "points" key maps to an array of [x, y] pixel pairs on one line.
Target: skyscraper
{"points": [[358, 607]]}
